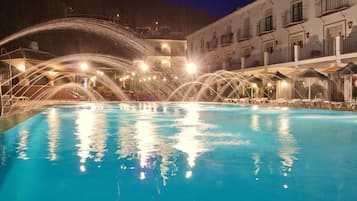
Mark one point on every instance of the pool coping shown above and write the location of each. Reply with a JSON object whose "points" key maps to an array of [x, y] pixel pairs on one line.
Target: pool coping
{"points": [[6, 123]]}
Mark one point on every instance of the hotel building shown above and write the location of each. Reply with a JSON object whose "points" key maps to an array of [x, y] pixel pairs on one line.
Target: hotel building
{"points": [[279, 35]]}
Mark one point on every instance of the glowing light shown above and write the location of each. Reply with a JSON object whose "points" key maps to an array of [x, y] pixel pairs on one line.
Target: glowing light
{"points": [[286, 186], [149, 78], [21, 67], [144, 67], [165, 62], [93, 78], [133, 74], [269, 84], [82, 168], [100, 72], [164, 79], [154, 77], [84, 66], [142, 175], [191, 68], [176, 77], [188, 174], [52, 73], [164, 45], [284, 84]]}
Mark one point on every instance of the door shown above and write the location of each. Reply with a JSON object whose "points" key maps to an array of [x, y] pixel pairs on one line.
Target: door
{"points": [[330, 39]]}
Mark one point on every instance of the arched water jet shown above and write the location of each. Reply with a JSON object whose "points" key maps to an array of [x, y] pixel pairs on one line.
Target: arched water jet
{"points": [[100, 27], [38, 93], [46, 95], [119, 63], [190, 83], [220, 75]]}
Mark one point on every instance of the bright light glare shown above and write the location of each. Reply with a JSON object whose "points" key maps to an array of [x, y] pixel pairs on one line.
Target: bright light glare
{"points": [[144, 67], [142, 176], [84, 66], [284, 84], [100, 72], [164, 45], [191, 68], [21, 67], [269, 84], [188, 174], [52, 73]]}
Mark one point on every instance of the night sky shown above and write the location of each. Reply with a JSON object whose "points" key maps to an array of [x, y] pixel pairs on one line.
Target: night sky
{"points": [[218, 8]]}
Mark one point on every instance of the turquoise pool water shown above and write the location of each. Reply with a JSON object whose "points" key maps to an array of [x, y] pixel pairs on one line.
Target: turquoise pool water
{"points": [[183, 152]]}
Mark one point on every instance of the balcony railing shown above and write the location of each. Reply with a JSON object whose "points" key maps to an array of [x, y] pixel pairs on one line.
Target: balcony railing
{"points": [[349, 44], [227, 39], [332, 6]]}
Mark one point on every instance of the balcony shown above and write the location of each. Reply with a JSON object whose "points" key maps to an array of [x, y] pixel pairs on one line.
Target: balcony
{"points": [[293, 16], [226, 39], [265, 26], [332, 6]]}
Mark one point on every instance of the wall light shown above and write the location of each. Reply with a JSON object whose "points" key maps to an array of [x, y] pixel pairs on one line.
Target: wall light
{"points": [[284, 84]]}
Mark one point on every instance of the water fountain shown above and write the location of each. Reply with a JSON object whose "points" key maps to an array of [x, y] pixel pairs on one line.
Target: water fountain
{"points": [[169, 88]]}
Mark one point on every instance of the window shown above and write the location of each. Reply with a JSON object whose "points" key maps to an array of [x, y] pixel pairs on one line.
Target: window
{"points": [[296, 12], [268, 23]]}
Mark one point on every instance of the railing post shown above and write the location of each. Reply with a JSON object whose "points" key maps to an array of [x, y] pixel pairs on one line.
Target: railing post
{"points": [[242, 62], [338, 50], [266, 60], [296, 55]]}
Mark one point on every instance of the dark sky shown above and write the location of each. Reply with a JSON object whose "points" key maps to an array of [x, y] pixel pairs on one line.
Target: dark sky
{"points": [[218, 8]]}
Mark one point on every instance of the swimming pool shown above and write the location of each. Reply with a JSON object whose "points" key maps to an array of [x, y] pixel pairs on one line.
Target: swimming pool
{"points": [[180, 151]]}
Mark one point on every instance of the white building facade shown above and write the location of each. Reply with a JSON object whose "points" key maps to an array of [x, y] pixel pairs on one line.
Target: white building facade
{"points": [[281, 35], [239, 40]]}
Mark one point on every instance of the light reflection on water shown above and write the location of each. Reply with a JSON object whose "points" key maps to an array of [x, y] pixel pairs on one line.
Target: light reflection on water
{"points": [[22, 145], [158, 144], [91, 131], [53, 132]]}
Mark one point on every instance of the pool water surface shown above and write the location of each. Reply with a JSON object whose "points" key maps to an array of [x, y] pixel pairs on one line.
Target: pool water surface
{"points": [[180, 151]]}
